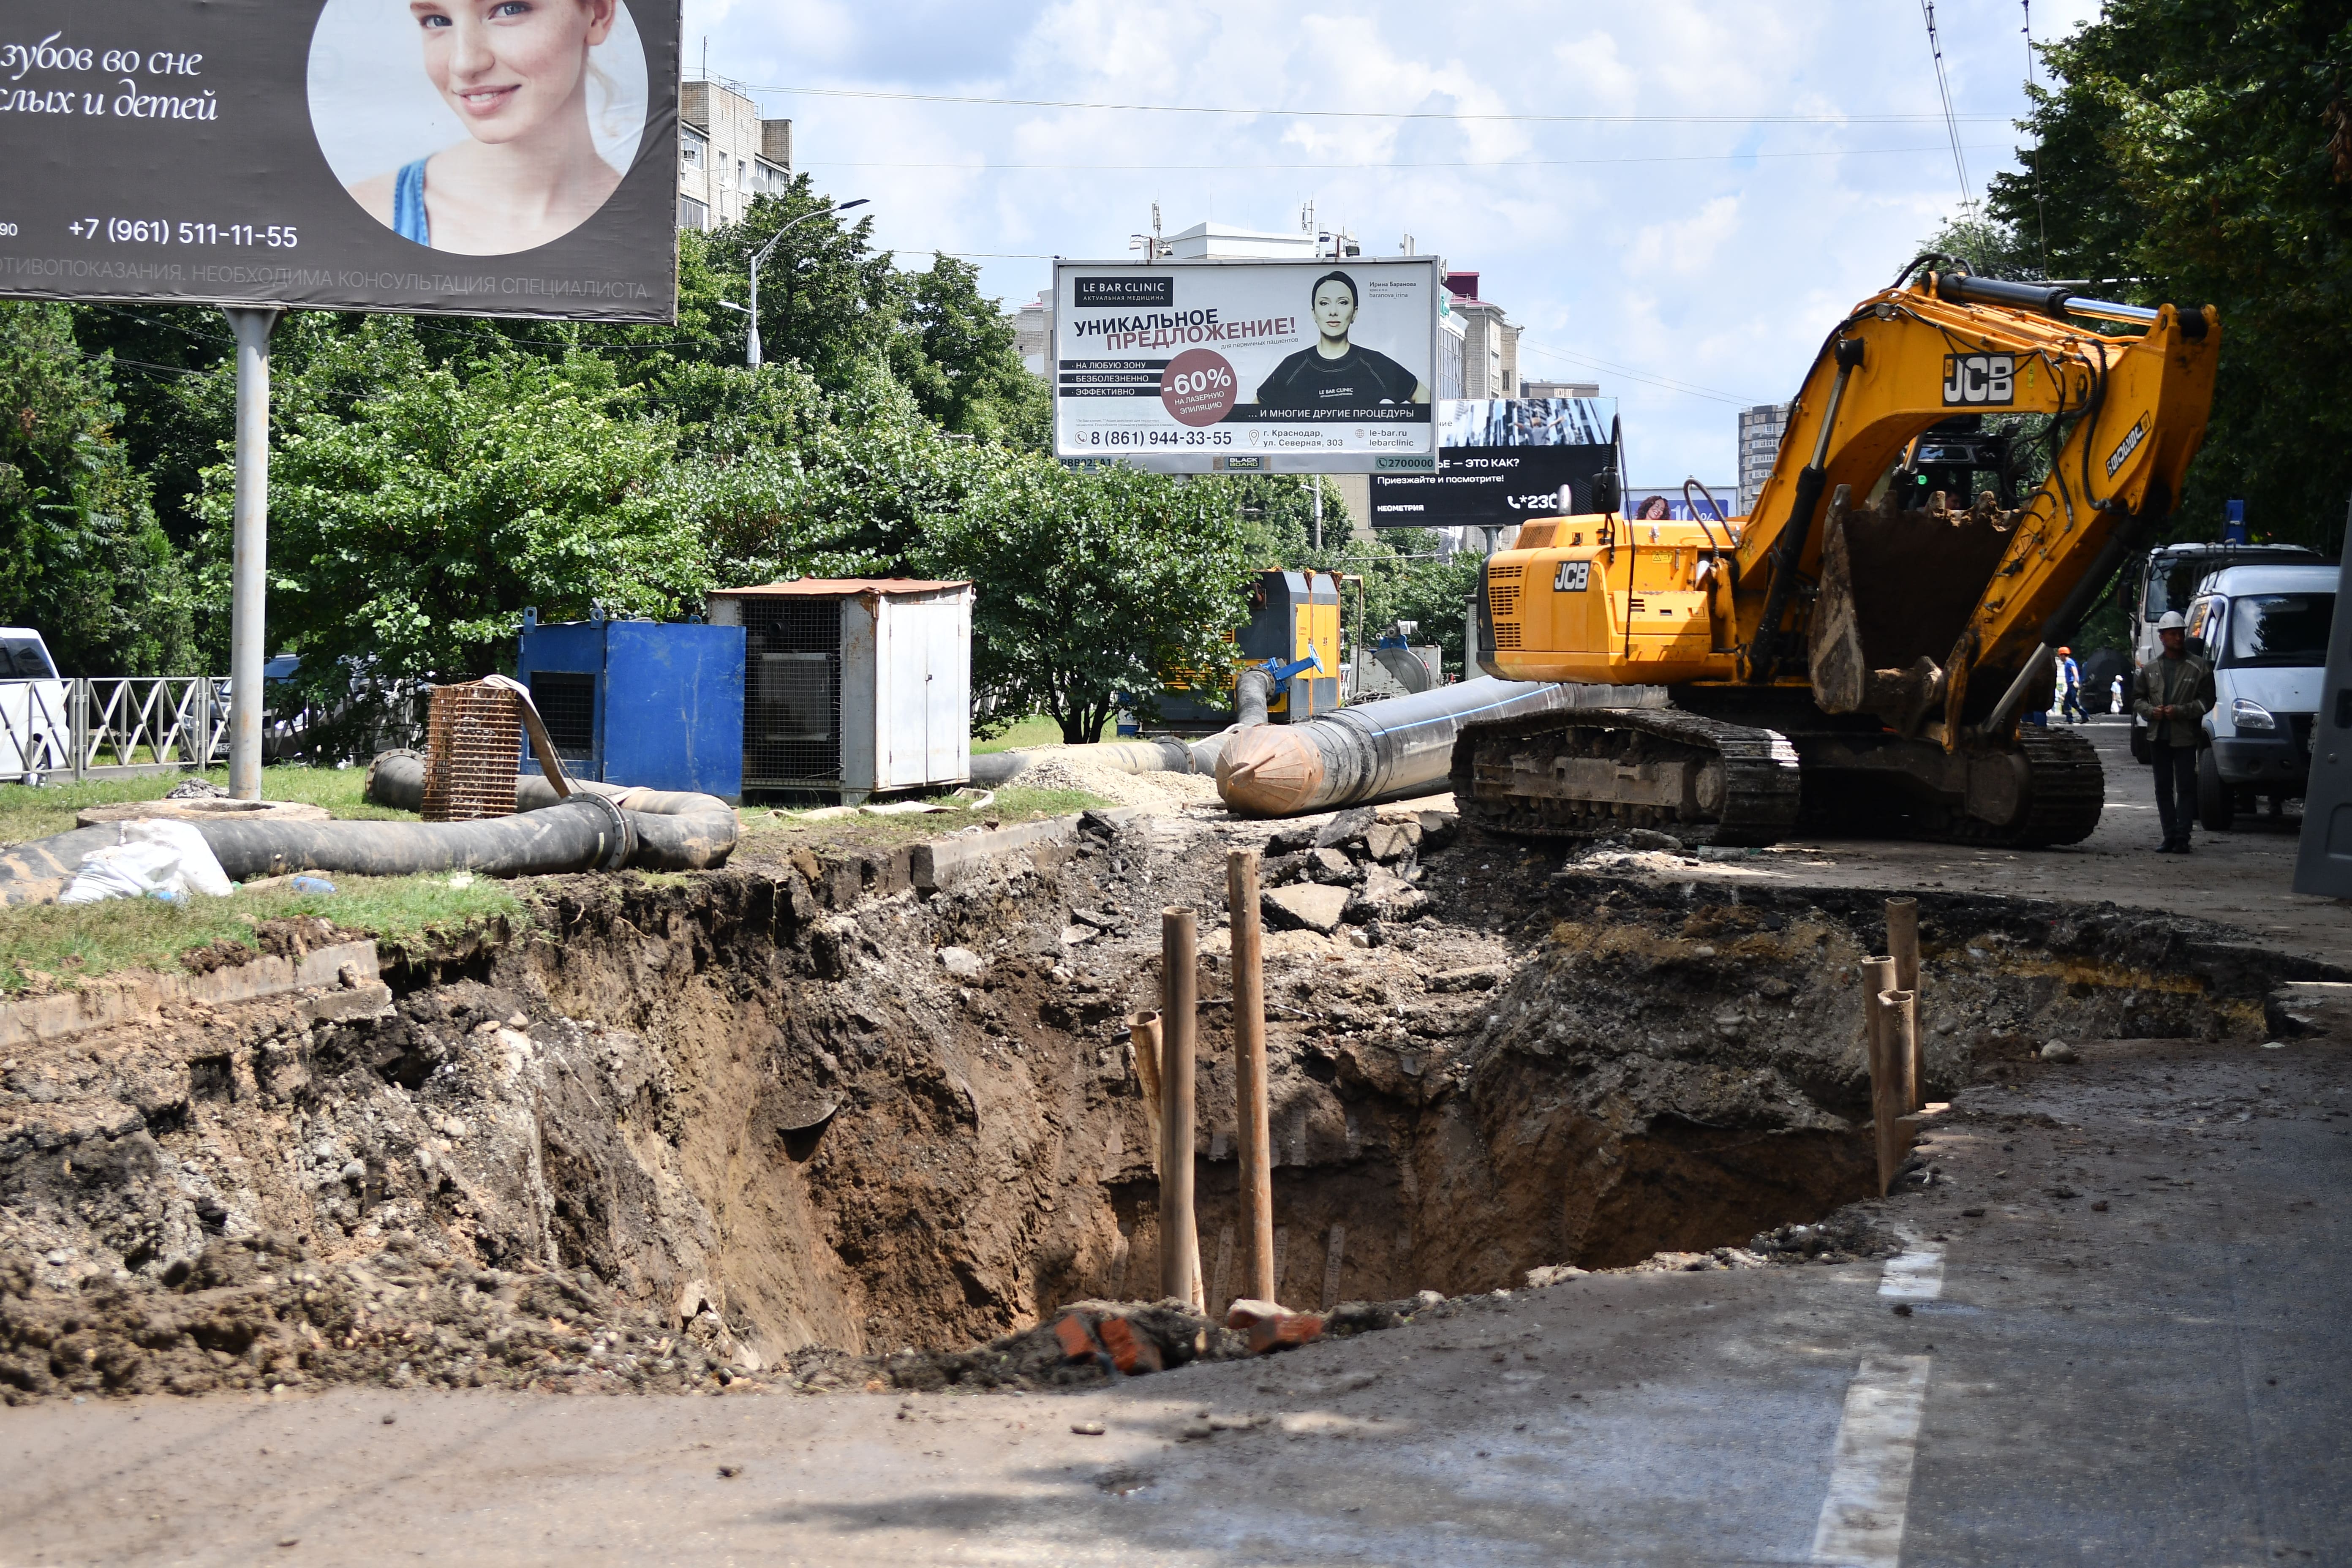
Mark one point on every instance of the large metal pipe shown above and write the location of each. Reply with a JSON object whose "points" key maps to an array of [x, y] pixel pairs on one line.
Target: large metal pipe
{"points": [[248, 549], [1378, 749]]}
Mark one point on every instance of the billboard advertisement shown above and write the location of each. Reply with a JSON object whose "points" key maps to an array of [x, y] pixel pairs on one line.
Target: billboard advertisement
{"points": [[1501, 461], [480, 157], [1300, 367]]}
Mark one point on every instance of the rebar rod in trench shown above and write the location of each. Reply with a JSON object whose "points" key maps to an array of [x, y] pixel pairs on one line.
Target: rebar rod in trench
{"points": [[1249, 1068], [1179, 1240], [1903, 946]]}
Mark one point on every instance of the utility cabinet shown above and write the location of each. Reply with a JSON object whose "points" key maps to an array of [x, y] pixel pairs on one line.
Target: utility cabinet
{"points": [[644, 704], [853, 685]]}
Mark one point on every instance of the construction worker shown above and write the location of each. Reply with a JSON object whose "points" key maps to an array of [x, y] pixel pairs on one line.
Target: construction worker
{"points": [[2069, 688], [2172, 695]]}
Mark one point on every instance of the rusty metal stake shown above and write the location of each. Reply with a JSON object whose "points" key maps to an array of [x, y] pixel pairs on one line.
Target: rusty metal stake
{"points": [[1886, 1089], [1249, 1070], [1179, 1240], [1903, 946]]}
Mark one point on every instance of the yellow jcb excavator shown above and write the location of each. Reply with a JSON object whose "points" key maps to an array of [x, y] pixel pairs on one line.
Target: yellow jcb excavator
{"points": [[1843, 657]]}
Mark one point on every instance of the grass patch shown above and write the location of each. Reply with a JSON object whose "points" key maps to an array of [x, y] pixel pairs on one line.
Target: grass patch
{"points": [[77, 941], [36, 812], [1036, 730]]}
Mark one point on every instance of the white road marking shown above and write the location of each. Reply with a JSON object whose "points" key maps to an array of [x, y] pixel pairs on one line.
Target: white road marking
{"points": [[1916, 1273], [1870, 1486]]}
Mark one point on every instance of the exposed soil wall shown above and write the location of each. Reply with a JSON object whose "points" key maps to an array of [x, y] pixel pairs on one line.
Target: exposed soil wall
{"points": [[750, 1112]]}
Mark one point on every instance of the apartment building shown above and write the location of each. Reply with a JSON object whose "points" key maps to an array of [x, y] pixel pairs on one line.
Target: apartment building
{"points": [[727, 155], [1759, 444]]}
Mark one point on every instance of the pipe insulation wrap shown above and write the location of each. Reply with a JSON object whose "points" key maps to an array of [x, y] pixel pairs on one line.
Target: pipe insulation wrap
{"points": [[1402, 745], [1164, 755]]}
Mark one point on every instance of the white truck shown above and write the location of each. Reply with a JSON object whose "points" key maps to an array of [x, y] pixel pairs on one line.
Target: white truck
{"points": [[36, 728], [2265, 630]]}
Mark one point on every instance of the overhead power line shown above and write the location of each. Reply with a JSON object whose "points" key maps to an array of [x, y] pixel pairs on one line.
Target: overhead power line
{"points": [[1376, 113], [1683, 388], [1944, 91], [1458, 164]]}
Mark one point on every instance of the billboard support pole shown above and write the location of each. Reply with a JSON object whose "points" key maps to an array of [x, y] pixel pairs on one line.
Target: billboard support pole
{"points": [[249, 548]]}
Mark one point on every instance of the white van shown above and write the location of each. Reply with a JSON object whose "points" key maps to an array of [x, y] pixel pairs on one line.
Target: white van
{"points": [[36, 730], [2265, 630]]}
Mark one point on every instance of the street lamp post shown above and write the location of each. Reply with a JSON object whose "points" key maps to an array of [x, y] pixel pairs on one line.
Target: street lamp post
{"points": [[751, 326]]}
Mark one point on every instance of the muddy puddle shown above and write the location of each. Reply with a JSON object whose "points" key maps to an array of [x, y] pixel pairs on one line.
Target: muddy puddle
{"points": [[763, 1122]]}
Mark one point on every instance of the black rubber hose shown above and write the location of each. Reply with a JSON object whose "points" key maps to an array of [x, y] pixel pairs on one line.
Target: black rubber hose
{"points": [[584, 834], [588, 833], [673, 830]]}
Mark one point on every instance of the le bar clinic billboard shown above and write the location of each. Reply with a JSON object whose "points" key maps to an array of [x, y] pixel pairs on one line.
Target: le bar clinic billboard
{"points": [[1302, 367], [471, 156], [1502, 461]]}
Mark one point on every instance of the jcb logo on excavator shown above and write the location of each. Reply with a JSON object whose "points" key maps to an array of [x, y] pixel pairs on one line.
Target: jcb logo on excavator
{"points": [[1572, 578], [1979, 380]]}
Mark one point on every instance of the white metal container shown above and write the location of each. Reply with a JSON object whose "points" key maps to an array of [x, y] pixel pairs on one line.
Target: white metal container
{"points": [[854, 686]]}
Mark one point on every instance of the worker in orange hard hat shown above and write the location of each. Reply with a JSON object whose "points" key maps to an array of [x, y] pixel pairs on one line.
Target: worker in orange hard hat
{"points": [[2070, 689]]}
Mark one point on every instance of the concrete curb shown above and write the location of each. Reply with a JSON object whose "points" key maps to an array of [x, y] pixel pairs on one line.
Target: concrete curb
{"points": [[139, 997], [932, 867]]}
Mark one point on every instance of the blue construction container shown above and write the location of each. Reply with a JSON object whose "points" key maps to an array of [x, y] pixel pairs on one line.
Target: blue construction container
{"points": [[640, 703]]}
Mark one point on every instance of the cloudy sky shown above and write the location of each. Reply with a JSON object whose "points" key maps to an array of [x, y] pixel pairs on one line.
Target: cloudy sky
{"points": [[1717, 182]]}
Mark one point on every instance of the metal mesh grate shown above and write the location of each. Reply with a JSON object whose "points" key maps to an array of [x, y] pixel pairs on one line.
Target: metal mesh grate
{"points": [[472, 737], [566, 701], [791, 698]]}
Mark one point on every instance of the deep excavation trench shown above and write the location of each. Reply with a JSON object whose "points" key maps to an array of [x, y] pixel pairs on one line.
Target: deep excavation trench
{"points": [[763, 1121]]}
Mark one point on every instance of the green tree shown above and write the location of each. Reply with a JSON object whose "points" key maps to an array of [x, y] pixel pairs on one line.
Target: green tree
{"points": [[82, 559], [2202, 151], [416, 509], [956, 357], [1094, 589]]}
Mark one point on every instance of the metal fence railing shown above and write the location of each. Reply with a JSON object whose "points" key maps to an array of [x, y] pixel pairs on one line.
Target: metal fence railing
{"points": [[118, 726]]}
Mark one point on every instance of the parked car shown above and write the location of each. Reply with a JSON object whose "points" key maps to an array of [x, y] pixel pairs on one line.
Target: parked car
{"points": [[2265, 630], [36, 730]]}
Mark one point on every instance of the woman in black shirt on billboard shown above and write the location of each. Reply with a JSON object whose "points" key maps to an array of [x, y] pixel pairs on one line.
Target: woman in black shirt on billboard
{"points": [[1334, 373]]}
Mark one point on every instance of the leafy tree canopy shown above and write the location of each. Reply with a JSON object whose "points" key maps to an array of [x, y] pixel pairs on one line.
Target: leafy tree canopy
{"points": [[2201, 151], [82, 560], [1094, 587]]}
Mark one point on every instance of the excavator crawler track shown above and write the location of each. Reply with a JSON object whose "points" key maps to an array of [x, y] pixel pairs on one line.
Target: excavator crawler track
{"points": [[2066, 792], [1600, 771]]}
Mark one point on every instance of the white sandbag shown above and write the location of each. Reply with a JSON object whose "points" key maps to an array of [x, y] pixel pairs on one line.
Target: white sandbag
{"points": [[156, 858], [199, 868]]}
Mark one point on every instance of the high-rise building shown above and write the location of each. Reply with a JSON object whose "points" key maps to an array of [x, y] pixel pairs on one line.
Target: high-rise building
{"points": [[727, 155], [1559, 389], [1477, 347], [1760, 428]]}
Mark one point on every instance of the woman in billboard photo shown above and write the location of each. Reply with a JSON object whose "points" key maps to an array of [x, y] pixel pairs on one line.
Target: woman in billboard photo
{"points": [[1334, 371], [517, 75]]}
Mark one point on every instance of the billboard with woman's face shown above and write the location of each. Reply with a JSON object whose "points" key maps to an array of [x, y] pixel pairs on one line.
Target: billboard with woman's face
{"points": [[1246, 366], [482, 157]]}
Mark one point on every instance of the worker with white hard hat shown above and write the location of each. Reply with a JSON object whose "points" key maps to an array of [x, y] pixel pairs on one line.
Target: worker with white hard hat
{"points": [[2172, 694]]}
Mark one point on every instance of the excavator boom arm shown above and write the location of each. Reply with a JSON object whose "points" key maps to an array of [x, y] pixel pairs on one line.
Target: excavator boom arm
{"points": [[2134, 409]]}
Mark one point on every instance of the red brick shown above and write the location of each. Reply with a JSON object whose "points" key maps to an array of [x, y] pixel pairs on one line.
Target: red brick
{"points": [[1129, 1351]]}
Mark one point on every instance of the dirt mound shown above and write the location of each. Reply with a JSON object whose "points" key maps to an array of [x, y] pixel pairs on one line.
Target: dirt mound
{"points": [[260, 1312]]}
